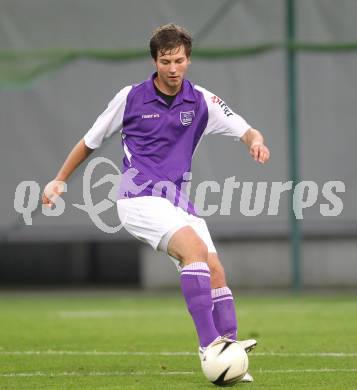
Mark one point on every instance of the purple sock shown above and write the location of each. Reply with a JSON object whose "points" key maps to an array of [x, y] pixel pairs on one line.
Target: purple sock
{"points": [[224, 313], [196, 287]]}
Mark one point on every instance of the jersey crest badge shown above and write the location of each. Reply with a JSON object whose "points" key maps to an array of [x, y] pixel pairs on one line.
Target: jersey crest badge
{"points": [[186, 117]]}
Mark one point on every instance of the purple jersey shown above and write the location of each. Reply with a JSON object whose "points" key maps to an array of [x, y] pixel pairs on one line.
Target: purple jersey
{"points": [[159, 140]]}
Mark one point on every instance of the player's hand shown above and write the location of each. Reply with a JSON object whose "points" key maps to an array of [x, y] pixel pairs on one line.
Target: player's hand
{"points": [[52, 191], [259, 152]]}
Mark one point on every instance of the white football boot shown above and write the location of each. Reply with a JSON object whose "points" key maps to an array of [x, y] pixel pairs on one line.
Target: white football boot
{"points": [[247, 345]]}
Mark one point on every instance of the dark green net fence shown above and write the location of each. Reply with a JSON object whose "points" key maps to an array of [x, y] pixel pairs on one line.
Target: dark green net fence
{"points": [[21, 68]]}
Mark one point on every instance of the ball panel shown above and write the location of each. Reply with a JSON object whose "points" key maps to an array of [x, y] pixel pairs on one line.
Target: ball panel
{"points": [[222, 381]]}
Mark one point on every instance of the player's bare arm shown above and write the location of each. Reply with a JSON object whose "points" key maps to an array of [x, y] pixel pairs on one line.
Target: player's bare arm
{"points": [[55, 187], [255, 143]]}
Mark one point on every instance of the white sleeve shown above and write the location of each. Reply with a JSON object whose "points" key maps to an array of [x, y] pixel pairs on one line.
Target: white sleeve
{"points": [[221, 119], [109, 122]]}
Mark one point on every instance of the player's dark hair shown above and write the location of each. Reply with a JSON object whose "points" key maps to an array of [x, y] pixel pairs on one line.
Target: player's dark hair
{"points": [[169, 37]]}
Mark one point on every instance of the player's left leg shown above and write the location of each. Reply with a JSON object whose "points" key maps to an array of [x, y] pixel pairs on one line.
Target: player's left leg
{"points": [[224, 313]]}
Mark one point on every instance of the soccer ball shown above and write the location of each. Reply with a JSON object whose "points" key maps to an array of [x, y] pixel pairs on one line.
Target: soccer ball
{"points": [[224, 363]]}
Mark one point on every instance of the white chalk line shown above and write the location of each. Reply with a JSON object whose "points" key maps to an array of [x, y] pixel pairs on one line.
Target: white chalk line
{"points": [[83, 314], [279, 307], [307, 370], [92, 373], [170, 353], [97, 353], [306, 354], [151, 373]]}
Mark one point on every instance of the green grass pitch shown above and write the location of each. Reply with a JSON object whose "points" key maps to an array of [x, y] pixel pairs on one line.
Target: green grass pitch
{"points": [[138, 340]]}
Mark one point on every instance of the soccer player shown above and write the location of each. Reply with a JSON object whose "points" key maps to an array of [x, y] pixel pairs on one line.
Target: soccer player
{"points": [[162, 121]]}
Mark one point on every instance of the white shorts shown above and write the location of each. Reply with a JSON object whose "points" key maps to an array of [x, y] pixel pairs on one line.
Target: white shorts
{"points": [[155, 220]]}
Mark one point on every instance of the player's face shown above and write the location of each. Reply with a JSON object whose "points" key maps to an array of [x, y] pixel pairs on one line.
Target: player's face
{"points": [[171, 68]]}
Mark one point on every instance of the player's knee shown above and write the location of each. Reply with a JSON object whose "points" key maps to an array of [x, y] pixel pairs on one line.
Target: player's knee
{"points": [[188, 247], [196, 252]]}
